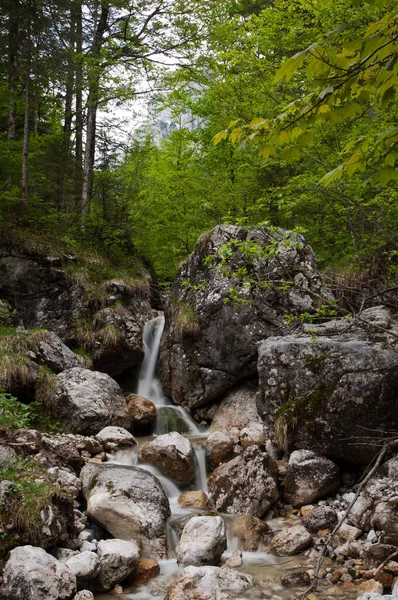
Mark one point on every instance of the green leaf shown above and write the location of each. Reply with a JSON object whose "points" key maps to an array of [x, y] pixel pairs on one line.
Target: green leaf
{"points": [[336, 173], [266, 150], [383, 176], [222, 135], [291, 154], [290, 66]]}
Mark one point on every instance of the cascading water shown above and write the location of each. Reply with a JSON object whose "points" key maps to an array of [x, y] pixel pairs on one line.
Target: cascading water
{"points": [[174, 418]]}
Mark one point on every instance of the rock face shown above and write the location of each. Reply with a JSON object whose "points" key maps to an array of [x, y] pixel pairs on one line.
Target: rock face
{"points": [[210, 340], [202, 542], [43, 293], [309, 478], [86, 401], [118, 559], [207, 583], [129, 503], [246, 484], [32, 574], [173, 455], [322, 395]]}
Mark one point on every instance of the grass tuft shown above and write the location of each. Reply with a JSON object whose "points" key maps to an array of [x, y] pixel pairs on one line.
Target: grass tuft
{"points": [[186, 323]]}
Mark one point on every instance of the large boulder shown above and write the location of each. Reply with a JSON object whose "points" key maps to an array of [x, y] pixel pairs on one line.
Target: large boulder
{"points": [[207, 583], [114, 438], [309, 478], [333, 390], [53, 353], [202, 542], [32, 574], [237, 409], [244, 485], [229, 295], [173, 455], [87, 401], [119, 559], [85, 566], [129, 503]]}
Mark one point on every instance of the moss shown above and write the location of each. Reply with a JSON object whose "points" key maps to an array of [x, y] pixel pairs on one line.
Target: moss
{"points": [[186, 322], [86, 358], [296, 411], [31, 492], [110, 336], [45, 386]]}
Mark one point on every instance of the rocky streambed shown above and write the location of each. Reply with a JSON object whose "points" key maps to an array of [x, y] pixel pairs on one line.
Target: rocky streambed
{"points": [[275, 485]]}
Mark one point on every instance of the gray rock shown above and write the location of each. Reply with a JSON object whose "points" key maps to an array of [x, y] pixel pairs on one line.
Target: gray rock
{"points": [[321, 517], [142, 411], [210, 344], [374, 554], [385, 517], [291, 540], [234, 561], [202, 542], [112, 438], [237, 409], [173, 455], [119, 559], [85, 566], [129, 503], [7, 455], [53, 353], [32, 574], [207, 583], [295, 579], [244, 485], [86, 401], [309, 478], [322, 396]]}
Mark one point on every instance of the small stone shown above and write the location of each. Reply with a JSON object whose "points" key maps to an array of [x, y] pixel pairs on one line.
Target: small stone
{"points": [[234, 561], [142, 410], [295, 579], [196, 499], [291, 540], [147, 569], [371, 586]]}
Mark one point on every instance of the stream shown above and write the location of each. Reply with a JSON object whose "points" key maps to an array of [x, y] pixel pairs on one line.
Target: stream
{"points": [[266, 568]]}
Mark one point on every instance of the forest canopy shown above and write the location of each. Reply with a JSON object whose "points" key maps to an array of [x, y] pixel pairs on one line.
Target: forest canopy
{"points": [[259, 111]]}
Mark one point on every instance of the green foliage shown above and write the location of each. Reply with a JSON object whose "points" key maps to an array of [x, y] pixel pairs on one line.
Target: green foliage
{"points": [[186, 322], [324, 313], [16, 415]]}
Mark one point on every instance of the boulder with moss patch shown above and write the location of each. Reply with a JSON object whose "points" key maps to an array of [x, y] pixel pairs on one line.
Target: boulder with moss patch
{"points": [[321, 391], [231, 293]]}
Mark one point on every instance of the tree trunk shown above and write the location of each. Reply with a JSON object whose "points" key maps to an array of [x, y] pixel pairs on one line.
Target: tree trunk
{"points": [[13, 34], [26, 131], [92, 107], [79, 102]]}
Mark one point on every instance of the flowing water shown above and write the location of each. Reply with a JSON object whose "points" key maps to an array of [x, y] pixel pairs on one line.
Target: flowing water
{"points": [[265, 568]]}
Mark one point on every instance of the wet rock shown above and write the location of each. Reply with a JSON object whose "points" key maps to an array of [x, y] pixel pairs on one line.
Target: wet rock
{"points": [[53, 353], [32, 574], [332, 387], [113, 438], [119, 559], [234, 561], [321, 517], [385, 516], [86, 401], [250, 531], [291, 540], [141, 410], [202, 542], [173, 455], [129, 503], [246, 484], [295, 579], [219, 449], [309, 478], [207, 583], [210, 344], [196, 499], [85, 566], [147, 568]]}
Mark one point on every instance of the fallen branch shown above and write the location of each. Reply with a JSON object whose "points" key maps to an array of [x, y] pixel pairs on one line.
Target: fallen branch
{"points": [[383, 564]]}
